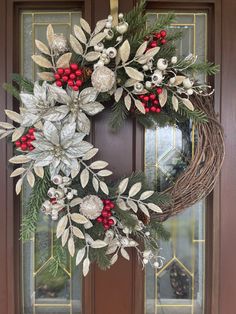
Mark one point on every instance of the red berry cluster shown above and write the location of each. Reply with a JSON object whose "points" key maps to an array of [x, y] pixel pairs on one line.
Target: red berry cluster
{"points": [[25, 142], [106, 216], [157, 39], [150, 101], [72, 76]]}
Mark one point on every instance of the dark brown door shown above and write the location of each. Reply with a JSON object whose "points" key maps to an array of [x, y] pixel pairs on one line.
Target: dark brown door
{"points": [[121, 290]]}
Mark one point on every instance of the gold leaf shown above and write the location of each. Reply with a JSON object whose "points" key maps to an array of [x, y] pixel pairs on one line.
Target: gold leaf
{"points": [[188, 104], [61, 226], [20, 159], [85, 25], [139, 106], [154, 207], [80, 256], [71, 247], [65, 237], [163, 97], [78, 218], [118, 94], [144, 209], [46, 76], [64, 60], [39, 171], [86, 265], [18, 186], [17, 172], [132, 205], [134, 74], [50, 34], [141, 49], [175, 103], [127, 102], [41, 61], [97, 39], [95, 184], [30, 178], [92, 56], [79, 33], [76, 45], [146, 195], [104, 187], [124, 51], [77, 232], [123, 185], [84, 178], [76, 201], [135, 189], [42, 47], [152, 52]]}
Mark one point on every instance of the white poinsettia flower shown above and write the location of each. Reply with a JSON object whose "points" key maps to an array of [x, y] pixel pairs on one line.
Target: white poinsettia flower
{"points": [[80, 105], [40, 105], [59, 146]]}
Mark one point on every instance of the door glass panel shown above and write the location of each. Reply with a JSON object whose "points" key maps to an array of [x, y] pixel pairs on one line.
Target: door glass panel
{"points": [[42, 292], [178, 288]]}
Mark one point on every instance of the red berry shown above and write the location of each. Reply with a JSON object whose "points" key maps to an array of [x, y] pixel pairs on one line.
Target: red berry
{"points": [[106, 227], [112, 205], [107, 207], [141, 96], [158, 35], [143, 104], [75, 88], [155, 102], [18, 143], [59, 83], [57, 76], [163, 41], [31, 130], [158, 110], [78, 83], [153, 44], [74, 66], [72, 76], [109, 214], [146, 98], [99, 219], [60, 71], [159, 90], [23, 146], [104, 213], [152, 96], [70, 83], [31, 147], [28, 142], [32, 137], [153, 109], [163, 33], [53, 200], [107, 202], [23, 138], [147, 109], [67, 71], [111, 222], [104, 221], [78, 72], [65, 78]]}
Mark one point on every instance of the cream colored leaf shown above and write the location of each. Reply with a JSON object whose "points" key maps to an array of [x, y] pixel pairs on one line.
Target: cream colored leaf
{"points": [[6, 125], [104, 187], [64, 60], [42, 47], [114, 259], [4, 134], [90, 154], [76, 45], [65, 237], [50, 34], [78, 218], [163, 97], [123, 185], [77, 232], [130, 82], [122, 205], [61, 226], [86, 265], [17, 133], [124, 51], [20, 159], [146, 195], [144, 209], [18, 186], [71, 247], [188, 104], [46, 76], [179, 80], [135, 189], [139, 106], [95, 184], [75, 171], [30, 178], [152, 52], [98, 244], [104, 173], [132, 205], [79, 33], [14, 116], [76, 201], [127, 102], [118, 94], [41, 61], [134, 74], [85, 25], [141, 49], [39, 171], [175, 102], [99, 164], [84, 177], [17, 172], [92, 56], [80, 256], [154, 207], [111, 249], [99, 26], [97, 39], [124, 253]]}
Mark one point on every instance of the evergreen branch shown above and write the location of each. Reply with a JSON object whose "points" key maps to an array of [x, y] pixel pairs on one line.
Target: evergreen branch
{"points": [[99, 256], [118, 116], [9, 88], [37, 197], [23, 83], [208, 68], [59, 258], [197, 116], [158, 231]]}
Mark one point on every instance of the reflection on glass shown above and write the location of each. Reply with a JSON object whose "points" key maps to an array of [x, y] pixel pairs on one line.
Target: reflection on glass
{"points": [[42, 292], [178, 288]]}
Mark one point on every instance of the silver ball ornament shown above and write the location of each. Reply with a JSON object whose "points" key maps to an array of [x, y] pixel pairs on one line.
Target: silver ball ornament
{"points": [[91, 206], [59, 44], [122, 27], [103, 79]]}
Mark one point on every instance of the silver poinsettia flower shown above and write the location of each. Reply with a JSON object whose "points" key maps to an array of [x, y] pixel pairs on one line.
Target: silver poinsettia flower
{"points": [[40, 105], [80, 104], [59, 146]]}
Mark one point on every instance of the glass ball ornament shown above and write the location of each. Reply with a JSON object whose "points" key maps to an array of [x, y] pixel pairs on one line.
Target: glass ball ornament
{"points": [[103, 79]]}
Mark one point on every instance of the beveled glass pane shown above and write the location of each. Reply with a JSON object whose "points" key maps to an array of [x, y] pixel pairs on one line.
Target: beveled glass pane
{"points": [[178, 288], [42, 292]]}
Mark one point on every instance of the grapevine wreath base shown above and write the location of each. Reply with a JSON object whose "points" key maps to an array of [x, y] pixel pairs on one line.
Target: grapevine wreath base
{"points": [[137, 70]]}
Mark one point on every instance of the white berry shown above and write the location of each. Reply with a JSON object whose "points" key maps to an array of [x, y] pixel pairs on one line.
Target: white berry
{"points": [[174, 60], [190, 91], [162, 64], [187, 83]]}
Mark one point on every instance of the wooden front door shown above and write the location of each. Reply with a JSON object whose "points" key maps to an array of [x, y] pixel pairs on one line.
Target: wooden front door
{"points": [[208, 264]]}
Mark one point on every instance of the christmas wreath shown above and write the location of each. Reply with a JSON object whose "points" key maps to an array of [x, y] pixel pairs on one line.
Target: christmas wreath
{"points": [[135, 68]]}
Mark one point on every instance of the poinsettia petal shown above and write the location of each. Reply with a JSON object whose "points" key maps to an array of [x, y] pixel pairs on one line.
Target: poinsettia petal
{"points": [[51, 132], [88, 95], [92, 108], [83, 123], [29, 101]]}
